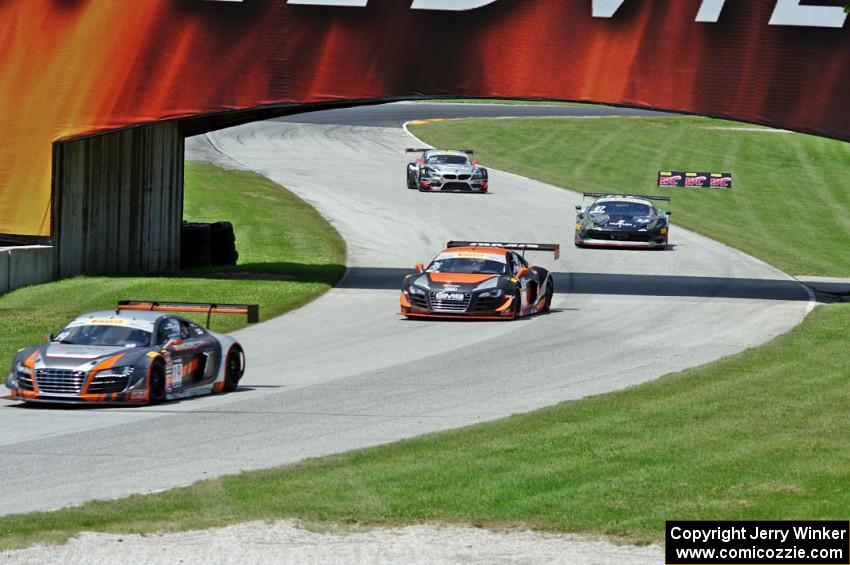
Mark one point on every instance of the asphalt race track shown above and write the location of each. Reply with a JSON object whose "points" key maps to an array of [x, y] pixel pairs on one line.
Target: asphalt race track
{"points": [[346, 371]]}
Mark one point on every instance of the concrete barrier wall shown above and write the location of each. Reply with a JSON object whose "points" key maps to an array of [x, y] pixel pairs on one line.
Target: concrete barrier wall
{"points": [[119, 201], [26, 265], [4, 270]]}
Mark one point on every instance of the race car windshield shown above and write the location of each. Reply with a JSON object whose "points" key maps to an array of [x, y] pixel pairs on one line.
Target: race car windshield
{"points": [[613, 208], [121, 336], [467, 265], [448, 160]]}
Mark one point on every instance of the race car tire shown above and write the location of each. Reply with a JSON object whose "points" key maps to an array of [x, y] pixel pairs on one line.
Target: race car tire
{"points": [[156, 386], [233, 369], [222, 244], [195, 245], [517, 305], [411, 181]]}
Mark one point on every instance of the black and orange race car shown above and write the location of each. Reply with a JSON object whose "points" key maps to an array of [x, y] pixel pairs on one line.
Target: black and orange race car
{"points": [[139, 353], [487, 280]]}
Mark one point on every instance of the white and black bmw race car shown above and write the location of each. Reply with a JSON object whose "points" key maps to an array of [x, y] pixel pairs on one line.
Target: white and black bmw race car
{"points": [[139, 353], [446, 170]]}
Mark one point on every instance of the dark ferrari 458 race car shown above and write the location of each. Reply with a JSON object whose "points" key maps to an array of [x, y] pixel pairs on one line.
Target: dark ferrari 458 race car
{"points": [[446, 170], [487, 280], [622, 220], [139, 353]]}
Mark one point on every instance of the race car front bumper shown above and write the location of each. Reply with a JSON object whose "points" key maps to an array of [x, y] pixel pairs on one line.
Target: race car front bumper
{"points": [[446, 185], [131, 397], [420, 307], [26, 387], [622, 239]]}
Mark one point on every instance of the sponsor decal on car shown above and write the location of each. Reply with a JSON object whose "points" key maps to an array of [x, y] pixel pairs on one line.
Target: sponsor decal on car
{"points": [[450, 296], [177, 374]]}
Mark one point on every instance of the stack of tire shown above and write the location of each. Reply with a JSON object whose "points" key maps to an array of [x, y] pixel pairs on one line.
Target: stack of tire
{"points": [[204, 245]]}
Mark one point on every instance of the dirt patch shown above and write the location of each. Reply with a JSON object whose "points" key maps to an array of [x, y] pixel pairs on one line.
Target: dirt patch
{"points": [[287, 542]]}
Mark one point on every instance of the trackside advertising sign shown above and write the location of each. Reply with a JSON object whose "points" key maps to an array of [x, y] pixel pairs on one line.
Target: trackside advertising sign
{"points": [[694, 180], [79, 67]]}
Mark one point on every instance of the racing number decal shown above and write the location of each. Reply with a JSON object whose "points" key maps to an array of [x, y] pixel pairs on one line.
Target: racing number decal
{"points": [[598, 209], [177, 374]]}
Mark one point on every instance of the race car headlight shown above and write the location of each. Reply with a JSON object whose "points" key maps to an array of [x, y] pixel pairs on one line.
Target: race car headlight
{"points": [[434, 174], [118, 372], [495, 293], [23, 369], [490, 283], [599, 218], [416, 290], [479, 174]]}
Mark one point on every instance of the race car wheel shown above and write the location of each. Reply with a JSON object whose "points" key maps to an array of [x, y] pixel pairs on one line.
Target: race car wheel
{"points": [[233, 369], [517, 305], [411, 181], [156, 390]]}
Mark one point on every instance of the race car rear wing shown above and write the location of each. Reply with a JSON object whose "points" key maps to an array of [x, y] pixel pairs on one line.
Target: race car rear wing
{"points": [[553, 247], [250, 310], [420, 150], [603, 194]]}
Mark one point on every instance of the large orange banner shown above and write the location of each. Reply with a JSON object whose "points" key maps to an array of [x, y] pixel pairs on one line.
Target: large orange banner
{"points": [[74, 67]]}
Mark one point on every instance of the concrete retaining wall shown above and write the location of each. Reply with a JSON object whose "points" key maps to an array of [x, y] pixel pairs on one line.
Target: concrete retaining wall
{"points": [[119, 201], [26, 265]]}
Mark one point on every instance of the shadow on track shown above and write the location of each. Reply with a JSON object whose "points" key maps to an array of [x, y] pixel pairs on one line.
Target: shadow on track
{"points": [[599, 283]]}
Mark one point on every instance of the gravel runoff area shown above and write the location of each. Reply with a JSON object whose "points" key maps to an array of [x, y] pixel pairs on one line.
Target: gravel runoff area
{"points": [[287, 542]]}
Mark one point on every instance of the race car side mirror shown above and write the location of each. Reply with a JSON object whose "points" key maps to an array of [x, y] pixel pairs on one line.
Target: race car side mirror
{"points": [[420, 268], [48, 337], [475, 161], [578, 207], [522, 272], [669, 213]]}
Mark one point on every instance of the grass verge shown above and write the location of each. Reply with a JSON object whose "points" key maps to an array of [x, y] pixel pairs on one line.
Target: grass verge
{"points": [[758, 435], [788, 208], [278, 236]]}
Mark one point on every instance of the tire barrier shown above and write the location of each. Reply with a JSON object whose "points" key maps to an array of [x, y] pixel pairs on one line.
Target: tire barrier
{"points": [[207, 244]]}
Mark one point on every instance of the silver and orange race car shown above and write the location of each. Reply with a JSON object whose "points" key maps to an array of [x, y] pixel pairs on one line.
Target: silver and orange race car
{"points": [[139, 353], [486, 280]]}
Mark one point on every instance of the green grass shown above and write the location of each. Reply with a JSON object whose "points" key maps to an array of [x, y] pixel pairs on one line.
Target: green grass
{"points": [[278, 236], [759, 435], [788, 208]]}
